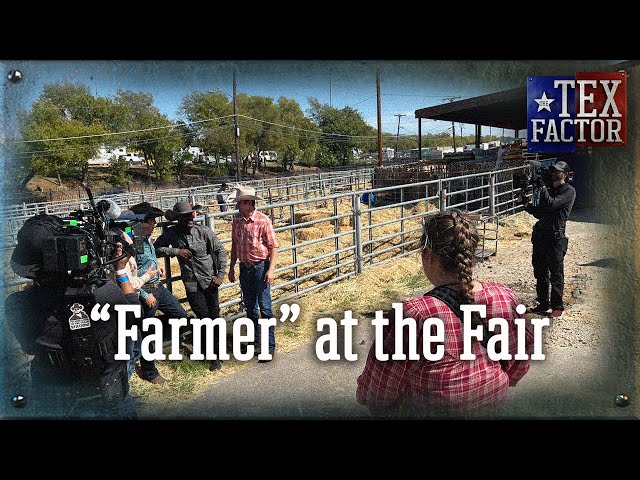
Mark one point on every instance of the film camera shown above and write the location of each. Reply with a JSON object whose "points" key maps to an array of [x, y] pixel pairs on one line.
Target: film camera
{"points": [[539, 177], [85, 244]]}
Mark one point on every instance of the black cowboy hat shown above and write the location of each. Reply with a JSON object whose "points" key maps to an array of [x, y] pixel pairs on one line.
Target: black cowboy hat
{"points": [[146, 209], [27, 259]]}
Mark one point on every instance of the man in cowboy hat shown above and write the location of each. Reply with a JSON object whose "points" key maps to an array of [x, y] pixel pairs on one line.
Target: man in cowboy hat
{"points": [[73, 372], [202, 259], [153, 294], [254, 245]]}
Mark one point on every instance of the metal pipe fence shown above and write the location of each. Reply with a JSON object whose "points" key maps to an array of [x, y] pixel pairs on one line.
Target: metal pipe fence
{"points": [[333, 236]]}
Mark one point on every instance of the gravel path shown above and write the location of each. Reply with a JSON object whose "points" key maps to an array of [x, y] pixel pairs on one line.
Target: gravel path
{"points": [[578, 378]]}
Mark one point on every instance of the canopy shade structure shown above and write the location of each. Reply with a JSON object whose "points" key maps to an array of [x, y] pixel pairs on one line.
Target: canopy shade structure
{"points": [[506, 109]]}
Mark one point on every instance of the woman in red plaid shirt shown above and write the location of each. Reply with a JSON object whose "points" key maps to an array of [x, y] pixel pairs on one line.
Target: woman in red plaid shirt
{"points": [[448, 385]]}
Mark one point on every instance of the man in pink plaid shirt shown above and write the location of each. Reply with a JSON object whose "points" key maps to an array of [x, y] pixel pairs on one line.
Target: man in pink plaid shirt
{"points": [[448, 385], [254, 245]]}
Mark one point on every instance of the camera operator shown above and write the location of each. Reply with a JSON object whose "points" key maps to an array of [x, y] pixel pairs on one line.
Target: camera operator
{"points": [[73, 371], [548, 238]]}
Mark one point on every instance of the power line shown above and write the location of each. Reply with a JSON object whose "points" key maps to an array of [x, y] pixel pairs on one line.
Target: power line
{"points": [[122, 133]]}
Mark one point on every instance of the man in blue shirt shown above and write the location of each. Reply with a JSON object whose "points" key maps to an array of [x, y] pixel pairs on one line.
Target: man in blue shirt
{"points": [[153, 295]]}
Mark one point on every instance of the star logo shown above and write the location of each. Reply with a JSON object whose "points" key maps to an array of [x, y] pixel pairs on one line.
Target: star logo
{"points": [[544, 103]]}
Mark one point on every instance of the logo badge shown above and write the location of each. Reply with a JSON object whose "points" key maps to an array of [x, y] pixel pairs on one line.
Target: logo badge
{"points": [[587, 110], [79, 319]]}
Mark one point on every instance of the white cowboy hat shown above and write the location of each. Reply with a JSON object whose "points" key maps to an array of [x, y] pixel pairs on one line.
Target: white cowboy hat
{"points": [[245, 193]]}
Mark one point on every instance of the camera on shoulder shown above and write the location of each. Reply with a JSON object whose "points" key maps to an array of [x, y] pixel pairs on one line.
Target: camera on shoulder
{"points": [[86, 241]]}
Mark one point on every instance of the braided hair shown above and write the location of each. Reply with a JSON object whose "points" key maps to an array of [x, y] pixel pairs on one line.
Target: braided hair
{"points": [[453, 238]]}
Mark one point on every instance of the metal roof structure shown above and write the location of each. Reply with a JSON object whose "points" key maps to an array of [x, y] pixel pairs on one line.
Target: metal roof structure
{"points": [[506, 109]]}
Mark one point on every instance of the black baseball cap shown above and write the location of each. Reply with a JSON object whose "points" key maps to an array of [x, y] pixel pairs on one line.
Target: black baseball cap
{"points": [[27, 259], [561, 166]]}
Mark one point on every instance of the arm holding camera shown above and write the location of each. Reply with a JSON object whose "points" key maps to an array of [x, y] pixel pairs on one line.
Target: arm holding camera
{"points": [[551, 204]]}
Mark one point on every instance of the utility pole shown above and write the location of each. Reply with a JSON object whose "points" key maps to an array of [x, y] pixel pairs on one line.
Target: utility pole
{"points": [[329, 90], [236, 128], [379, 118], [399, 115], [453, 126]]}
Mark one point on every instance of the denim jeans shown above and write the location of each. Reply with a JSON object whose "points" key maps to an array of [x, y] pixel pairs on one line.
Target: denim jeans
{"points": [[256, 294], [170, 306]]}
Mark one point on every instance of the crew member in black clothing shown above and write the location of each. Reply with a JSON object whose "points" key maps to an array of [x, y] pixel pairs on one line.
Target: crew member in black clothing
{"points": [[74, 372], [549, 240]]}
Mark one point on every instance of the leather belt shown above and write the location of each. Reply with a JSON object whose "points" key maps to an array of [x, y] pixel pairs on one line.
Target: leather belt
{"points": [[151, 285], [251, 264]]}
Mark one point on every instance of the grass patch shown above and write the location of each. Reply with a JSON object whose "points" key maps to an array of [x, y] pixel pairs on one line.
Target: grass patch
{"points": [[375, 289], [416, 281], [389, 294]]}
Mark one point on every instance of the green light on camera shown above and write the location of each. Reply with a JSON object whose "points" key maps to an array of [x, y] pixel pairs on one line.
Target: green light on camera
{"points": [[73, 223], [84, 258]]}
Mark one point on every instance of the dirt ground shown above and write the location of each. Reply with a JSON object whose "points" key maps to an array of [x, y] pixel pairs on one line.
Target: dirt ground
{"points": [[580, 377]]}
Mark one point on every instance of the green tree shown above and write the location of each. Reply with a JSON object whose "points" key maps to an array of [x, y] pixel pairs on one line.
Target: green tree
{"points": [[259, 114], [181, 160], [153, 135], [299, 142], [343, 130], [119, 171], [53, 116], [212, 133]]}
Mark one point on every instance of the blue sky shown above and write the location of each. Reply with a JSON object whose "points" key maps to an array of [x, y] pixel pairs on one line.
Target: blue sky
{"points": [[405, 85]]}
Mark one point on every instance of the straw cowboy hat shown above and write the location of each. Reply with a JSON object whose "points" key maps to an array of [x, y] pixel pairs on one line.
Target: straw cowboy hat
{"points": [[245, 193], [180, 208]]}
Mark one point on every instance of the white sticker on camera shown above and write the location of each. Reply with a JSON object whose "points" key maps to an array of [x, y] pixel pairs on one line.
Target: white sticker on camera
{"points": [[79, 319]]}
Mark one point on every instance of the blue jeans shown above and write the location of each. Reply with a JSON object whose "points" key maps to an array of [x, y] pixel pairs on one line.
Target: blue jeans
{"points": [[170, 306], [257, 293]]}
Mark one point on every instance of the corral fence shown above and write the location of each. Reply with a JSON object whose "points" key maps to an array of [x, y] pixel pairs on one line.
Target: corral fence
{"points": [[329, 237]]}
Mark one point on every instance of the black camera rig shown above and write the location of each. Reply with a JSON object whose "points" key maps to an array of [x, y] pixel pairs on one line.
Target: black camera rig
{"points": [[85, 245], [533, 181]]}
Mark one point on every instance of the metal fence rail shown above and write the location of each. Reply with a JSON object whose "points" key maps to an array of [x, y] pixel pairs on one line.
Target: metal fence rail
{"points": [[274, 191], [330, 237]]}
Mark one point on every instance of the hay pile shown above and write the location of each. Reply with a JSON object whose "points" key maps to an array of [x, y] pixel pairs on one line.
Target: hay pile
{"points": [[375, 289], [511, 229]]}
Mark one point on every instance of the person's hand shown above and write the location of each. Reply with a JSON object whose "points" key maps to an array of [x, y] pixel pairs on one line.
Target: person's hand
{"points": [[232, 274], [152, 272], [151, 301], [185, 253], [122, 263], [269, 277], [216, 281]]}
